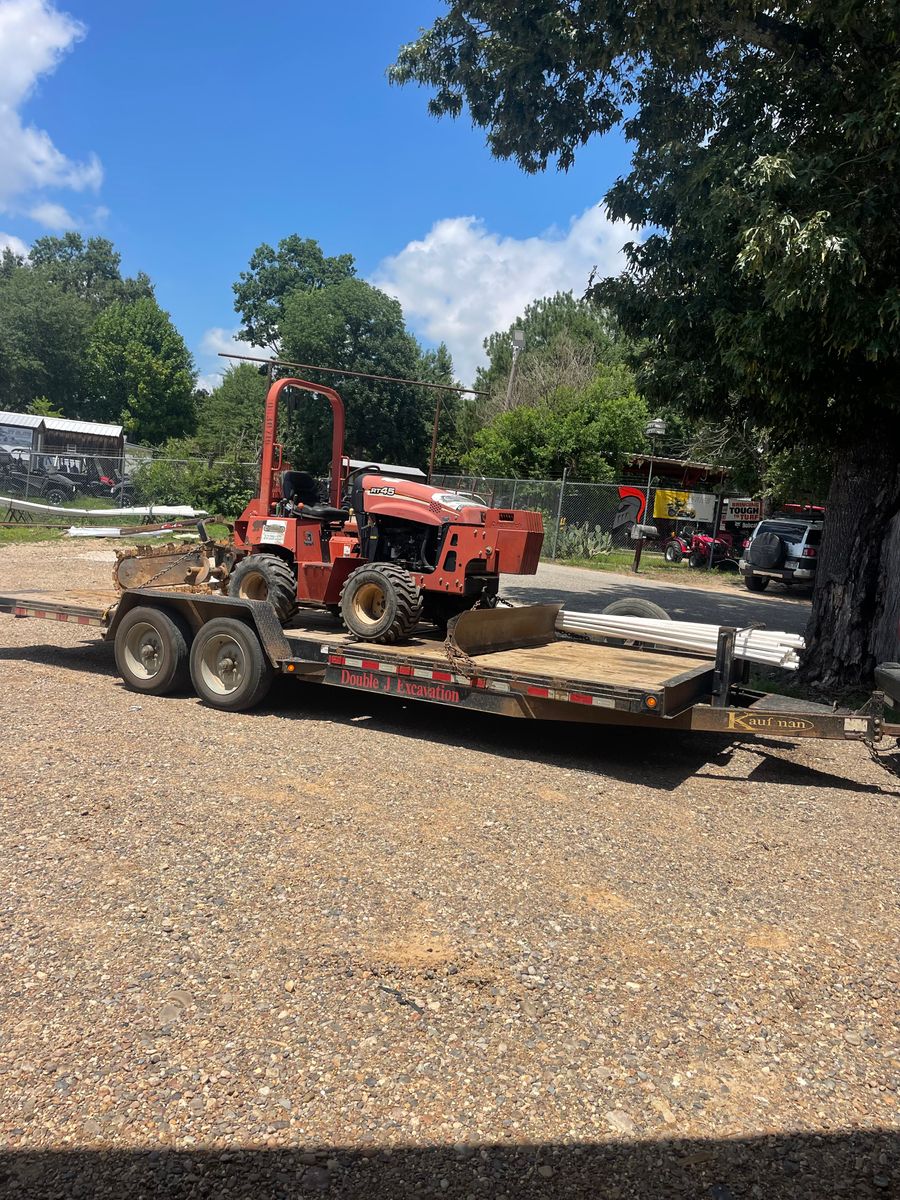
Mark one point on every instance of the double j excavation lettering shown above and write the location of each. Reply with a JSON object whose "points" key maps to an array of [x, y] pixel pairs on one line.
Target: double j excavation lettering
{"points": [[361, 679], [414, 688], [427, 691], [752, 723]]}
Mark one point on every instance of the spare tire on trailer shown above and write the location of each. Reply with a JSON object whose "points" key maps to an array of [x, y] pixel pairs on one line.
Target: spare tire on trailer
{"points": [[767, 551], [266, 577]]}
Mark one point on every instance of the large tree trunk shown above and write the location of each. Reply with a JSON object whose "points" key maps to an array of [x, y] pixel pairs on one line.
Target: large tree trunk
{"points": [[855, 619]]}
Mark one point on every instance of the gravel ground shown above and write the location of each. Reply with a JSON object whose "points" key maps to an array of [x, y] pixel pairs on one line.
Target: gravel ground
{"points": [[344, 945]]}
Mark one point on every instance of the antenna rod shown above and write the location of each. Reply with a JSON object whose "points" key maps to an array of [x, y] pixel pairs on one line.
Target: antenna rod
{"points": [[280, 362]]}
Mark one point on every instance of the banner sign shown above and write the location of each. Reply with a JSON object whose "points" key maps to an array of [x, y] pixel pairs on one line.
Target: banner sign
{"points": [[681, 506], [744, 511]]}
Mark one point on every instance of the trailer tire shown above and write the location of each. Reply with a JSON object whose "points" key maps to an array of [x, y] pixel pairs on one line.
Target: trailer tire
{"points": [[151, 649], [266, 577], [229, 669], [380, 602]]}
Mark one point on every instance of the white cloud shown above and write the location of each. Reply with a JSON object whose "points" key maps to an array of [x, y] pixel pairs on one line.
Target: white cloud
{"points": [[33, 38], [54, 216], [9, 241], [220, 340], [462, 281]]}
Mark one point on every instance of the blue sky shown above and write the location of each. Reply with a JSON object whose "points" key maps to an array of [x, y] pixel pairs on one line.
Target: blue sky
{"points": [[188, 133]]}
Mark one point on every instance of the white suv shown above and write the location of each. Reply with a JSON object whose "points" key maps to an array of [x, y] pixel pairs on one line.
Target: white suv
{"points": [[782, 548]]}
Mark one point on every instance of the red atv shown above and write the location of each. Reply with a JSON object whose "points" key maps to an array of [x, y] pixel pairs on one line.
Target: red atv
{"points": [[694, 544]]}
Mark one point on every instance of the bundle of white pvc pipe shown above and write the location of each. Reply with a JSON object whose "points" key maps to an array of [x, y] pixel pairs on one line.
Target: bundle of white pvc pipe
{"points": [[768, 647]]}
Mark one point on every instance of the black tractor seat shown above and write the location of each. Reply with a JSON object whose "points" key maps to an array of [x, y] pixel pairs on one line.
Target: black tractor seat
{"points": [[302, 490], [322, 512]]}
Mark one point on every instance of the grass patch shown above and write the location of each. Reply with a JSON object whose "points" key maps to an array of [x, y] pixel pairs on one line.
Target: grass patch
{"points": [[653, 566]]}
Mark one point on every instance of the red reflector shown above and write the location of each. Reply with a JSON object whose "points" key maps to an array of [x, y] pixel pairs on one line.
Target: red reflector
{"points": [[404, 670], [336, 660], [369, 664], [809, 552], [538, 691], [441, 676], [579, 698]]}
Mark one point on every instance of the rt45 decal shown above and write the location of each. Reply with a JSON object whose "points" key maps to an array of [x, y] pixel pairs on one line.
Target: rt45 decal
{"points": [[381, 491]]}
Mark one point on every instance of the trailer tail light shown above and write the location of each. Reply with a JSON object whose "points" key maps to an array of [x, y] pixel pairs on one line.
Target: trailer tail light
{"points": [[809, 552], [745, 543]]}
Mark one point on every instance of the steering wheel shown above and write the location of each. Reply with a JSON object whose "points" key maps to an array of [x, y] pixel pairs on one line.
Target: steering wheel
{"points": [[348, 486]]}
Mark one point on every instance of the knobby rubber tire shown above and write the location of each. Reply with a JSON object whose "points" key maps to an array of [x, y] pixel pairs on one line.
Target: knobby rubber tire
{"points": [[403, 603], [271, 578]]}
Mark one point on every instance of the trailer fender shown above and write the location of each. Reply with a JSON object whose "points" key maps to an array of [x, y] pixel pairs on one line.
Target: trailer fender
{"points": [[197, 608]]}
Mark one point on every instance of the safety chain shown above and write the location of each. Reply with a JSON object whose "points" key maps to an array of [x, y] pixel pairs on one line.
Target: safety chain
{"points": [[168, 567], [886, 759], [458, 659]]}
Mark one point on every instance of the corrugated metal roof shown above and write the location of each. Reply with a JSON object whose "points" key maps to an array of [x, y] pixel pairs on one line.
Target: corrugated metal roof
{"points": [[60, 424], [22, 420], [63, 425]]}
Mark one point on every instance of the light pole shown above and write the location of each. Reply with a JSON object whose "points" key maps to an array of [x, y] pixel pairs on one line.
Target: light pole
{"points": [[518, 339], [655, 429]]}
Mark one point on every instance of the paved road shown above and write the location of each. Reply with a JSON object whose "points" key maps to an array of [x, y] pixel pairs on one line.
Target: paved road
{"points": [[590, 591]]}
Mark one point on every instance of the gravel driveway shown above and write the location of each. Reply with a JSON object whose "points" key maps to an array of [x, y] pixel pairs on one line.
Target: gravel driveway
{"points": [[348, 946]]}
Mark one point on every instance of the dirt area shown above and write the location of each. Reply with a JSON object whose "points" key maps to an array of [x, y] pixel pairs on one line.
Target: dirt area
{"points": [[350, 946]]}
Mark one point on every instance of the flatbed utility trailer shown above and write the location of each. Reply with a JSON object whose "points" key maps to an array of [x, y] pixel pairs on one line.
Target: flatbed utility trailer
{"points": [[508, 661]]}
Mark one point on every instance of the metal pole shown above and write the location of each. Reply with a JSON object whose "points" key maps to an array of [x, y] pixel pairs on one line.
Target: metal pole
{"points": [[562, 488], [639, 544], [646, 520], [434, 436], [512, 376]]}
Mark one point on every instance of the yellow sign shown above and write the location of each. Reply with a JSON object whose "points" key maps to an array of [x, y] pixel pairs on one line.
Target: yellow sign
{"points": [[679, 506]]}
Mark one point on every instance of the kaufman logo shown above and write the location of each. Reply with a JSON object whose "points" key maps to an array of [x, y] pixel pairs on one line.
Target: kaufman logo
{"points": [[751, 722]]}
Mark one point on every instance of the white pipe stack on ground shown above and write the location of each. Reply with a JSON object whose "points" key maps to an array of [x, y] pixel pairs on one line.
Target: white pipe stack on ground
{"points": [[764, 646]]}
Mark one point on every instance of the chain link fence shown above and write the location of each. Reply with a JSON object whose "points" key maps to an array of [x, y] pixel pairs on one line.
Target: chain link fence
{"points": [[73, 480], [589, 520]]}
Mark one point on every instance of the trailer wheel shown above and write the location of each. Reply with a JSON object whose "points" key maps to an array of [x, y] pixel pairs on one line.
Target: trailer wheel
{"points": [[266, 577], [228, 667], [381, 603], [151, 649]]}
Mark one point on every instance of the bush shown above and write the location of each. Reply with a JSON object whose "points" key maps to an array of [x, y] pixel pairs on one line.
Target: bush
{"points": [[223, 487], [583, 541]]}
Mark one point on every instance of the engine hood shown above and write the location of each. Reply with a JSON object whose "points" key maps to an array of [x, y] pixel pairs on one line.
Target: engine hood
{"points": [[420, 502]]}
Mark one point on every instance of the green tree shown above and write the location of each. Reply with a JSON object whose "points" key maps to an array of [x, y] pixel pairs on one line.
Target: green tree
{"points": [[140, 373], [88, 269], [590, 433], [354, 326], [230, 417], [41, 406], [43, 336], [765, 161], [262, 292], [564, 339]]}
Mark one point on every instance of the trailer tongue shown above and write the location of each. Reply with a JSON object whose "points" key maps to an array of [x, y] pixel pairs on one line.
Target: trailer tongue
{"points": [[509, 661]]}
